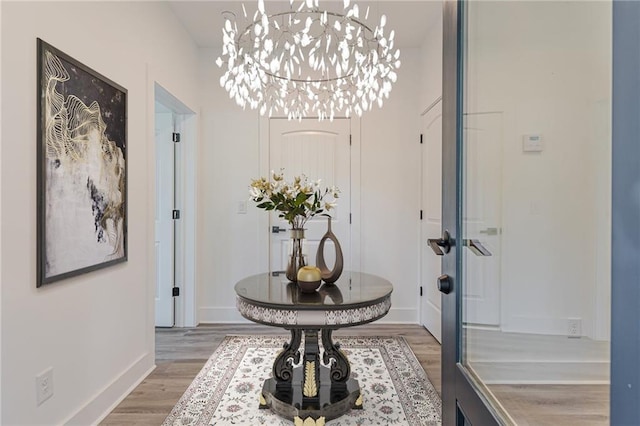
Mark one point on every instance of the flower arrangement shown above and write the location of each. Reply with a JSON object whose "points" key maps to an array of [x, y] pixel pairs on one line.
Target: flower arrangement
{"points": [[297, 201]]}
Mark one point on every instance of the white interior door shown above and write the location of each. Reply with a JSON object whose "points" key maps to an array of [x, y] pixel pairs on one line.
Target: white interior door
{"points": [[164, 235], [431, 225], [320, 150], [482, 221]]}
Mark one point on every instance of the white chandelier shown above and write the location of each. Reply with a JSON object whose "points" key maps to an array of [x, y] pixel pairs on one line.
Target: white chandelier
{"points": [[308, 62]]}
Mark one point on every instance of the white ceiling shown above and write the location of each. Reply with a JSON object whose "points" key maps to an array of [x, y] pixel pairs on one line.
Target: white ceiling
{"points": [[410, 19]]}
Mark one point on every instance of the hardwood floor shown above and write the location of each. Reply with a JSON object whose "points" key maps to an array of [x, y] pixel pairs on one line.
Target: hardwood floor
{"points": [[181, 353], [555, 405]]}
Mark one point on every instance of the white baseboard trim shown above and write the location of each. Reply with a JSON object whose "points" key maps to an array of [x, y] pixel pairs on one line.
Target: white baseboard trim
{"points": [[552, 326], [228, 315], [221, 315], [100, 405], [400, 316], [542, 372]]}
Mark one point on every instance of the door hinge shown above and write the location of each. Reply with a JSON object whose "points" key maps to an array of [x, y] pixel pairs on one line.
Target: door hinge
{"points": [[175, 214], [420, 291], [350, 218], [176, 137], [420, 214], [421, 141], [349, 140], [175, 291]]}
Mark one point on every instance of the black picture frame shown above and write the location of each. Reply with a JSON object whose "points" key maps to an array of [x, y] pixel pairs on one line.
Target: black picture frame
{"points": [[82, 168]]}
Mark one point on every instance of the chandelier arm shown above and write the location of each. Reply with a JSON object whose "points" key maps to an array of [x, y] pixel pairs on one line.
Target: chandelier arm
{"points": [[317, 12], [299, 80]]}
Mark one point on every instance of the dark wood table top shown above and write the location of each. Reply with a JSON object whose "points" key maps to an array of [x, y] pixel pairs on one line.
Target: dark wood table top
{"points": [[356, 298]]}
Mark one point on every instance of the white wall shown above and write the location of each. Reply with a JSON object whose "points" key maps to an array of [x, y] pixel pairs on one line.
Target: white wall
{"points": [[229, 159], [431, 64], [552, 80], [390, 191], [230, 243], [95, 330]]}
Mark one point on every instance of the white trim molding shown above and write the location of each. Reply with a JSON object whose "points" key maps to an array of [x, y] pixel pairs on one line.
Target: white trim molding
{"points": [[99, 406]]}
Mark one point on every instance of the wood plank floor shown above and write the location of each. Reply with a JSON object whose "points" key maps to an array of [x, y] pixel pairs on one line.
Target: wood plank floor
{"points": [[181, 353], [555, 405]]}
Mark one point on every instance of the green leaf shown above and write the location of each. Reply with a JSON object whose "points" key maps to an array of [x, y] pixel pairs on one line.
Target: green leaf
{"points": [[301, 198]]}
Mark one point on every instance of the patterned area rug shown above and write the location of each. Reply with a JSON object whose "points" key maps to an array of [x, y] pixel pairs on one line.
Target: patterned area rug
{"points": [[395, 388]]}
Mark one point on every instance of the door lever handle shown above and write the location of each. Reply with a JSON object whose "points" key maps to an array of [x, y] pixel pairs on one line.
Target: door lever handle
{"points": [[490, 231], [435, 246], [277, 229], [477, 248], [440, 246]]}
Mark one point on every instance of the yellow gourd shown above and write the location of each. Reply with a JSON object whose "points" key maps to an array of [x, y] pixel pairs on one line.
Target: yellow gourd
{"points": [[309, 274]]}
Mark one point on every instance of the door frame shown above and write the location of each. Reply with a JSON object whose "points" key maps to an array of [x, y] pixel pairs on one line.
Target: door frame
{"points": [[625, 229], [165, 185], [263, 229], [186, 190], [432, 321], [461, 397]]}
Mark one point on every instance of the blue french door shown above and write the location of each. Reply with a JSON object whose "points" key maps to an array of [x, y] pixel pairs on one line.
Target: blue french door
{"points": [[540, 233]]}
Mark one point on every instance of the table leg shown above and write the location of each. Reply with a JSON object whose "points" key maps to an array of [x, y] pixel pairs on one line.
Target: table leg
{"points": [[340, 367], [283, 365]]}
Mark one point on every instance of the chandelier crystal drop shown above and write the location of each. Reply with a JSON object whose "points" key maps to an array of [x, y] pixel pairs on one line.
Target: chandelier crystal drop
{"points": [[308, 62]]}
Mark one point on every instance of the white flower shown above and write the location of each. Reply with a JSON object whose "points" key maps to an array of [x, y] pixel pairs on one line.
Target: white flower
{"points": [[282, 196], [254, 193]]}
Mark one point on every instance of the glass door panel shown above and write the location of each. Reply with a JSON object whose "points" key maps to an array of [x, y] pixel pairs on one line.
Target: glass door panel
{"points": [[536, 200]]}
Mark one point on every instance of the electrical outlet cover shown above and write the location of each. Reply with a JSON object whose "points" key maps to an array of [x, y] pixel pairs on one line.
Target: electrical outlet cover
{"points": [[44, 385], [574, 327]]}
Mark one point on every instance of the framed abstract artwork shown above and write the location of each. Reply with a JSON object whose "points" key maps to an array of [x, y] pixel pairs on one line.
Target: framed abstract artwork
{"points": [[82, 168]]}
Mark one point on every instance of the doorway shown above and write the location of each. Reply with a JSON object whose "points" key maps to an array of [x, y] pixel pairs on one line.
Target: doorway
{"points": [[174, 127], [483, 217], [325, 150], [431, 217]]}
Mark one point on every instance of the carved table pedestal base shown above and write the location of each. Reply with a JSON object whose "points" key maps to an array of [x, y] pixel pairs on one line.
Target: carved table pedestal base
{"points": [[311, 393]]}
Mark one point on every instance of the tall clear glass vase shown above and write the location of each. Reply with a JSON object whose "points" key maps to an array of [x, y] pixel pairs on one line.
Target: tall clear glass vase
{"points": [[296, 259]]}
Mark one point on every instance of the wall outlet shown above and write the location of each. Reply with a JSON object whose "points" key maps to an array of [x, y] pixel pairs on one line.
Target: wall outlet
{"points": [[574, 327], [44, 385]]}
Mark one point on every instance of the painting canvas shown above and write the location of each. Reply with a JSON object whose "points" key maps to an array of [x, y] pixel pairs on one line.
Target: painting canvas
{"points": [[82, 168]]}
